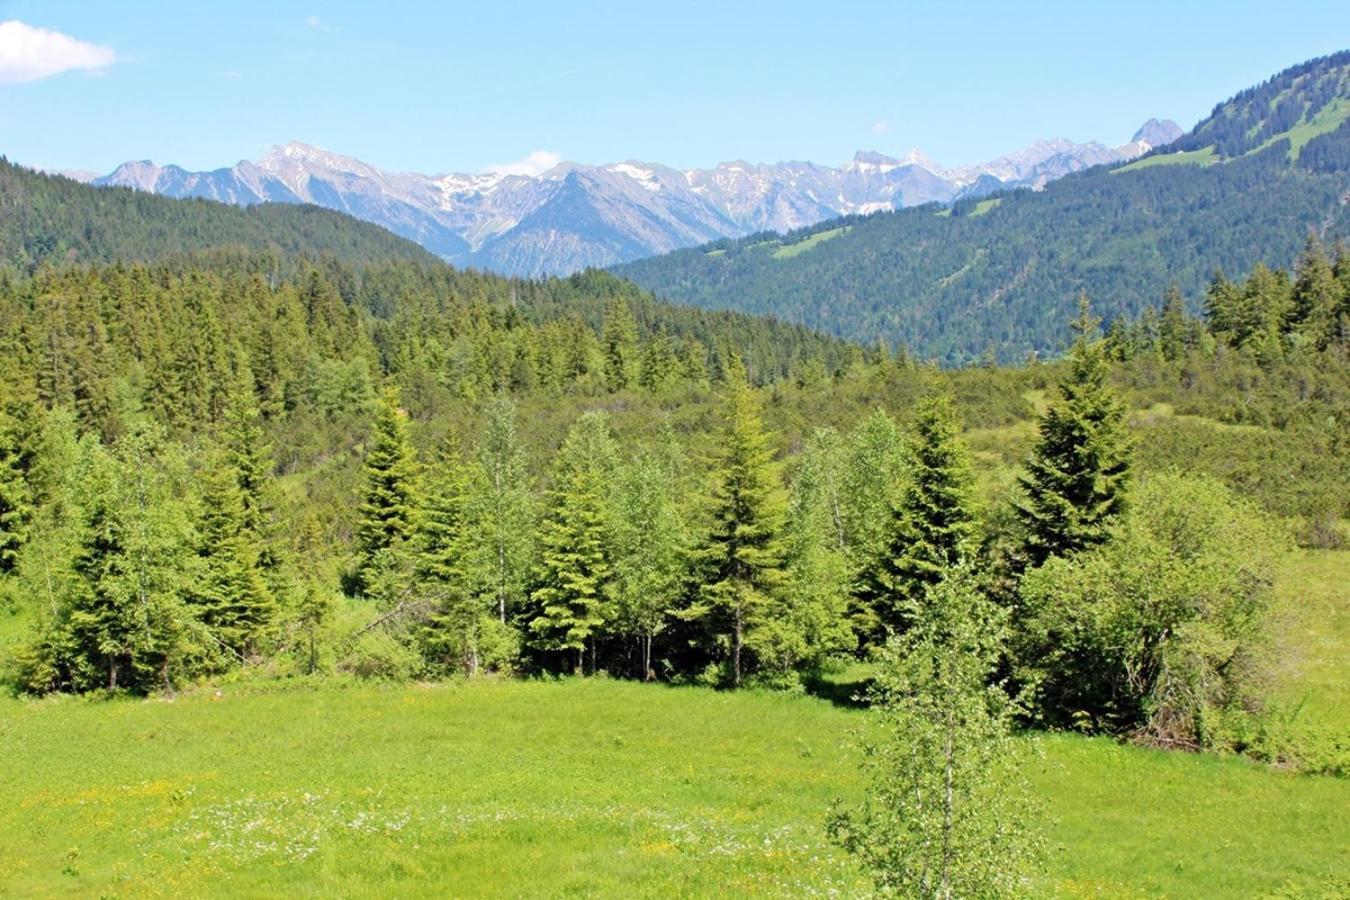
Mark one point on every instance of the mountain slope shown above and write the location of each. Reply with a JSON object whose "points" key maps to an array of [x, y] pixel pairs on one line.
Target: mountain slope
{"points": [[573, 217], [48, 218], [1002, 272]]}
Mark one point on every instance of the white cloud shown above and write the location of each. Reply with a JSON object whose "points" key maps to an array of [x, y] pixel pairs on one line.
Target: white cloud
{"points": [[880, 128], [28, 53], [313, 22], [537, 163], [232, 74]]}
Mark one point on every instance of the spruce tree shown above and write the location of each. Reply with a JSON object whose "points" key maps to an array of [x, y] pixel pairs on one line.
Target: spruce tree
{"points": [[1317, 297], [18, 437], [620, 345], [231, 596], [445, 567], [389, 504], [933, 524], [1077, 474], [577, 560], [249, 455], [742, 556]]}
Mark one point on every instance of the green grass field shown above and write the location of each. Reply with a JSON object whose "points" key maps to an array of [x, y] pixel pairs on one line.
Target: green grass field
{"points": [[1202, 157]]}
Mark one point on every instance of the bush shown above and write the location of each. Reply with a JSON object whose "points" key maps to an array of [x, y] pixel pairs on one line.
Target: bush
{"points": [[1161, 632]]}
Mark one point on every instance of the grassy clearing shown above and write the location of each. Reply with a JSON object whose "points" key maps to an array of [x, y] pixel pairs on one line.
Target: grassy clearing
{"points": [[984, 206], [1203, 157], [574, 788], [790, 250], [1327, 120]]}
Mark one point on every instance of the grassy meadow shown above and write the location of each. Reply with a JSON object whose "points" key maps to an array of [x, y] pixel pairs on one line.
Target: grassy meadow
{"points": [[599, 787]]}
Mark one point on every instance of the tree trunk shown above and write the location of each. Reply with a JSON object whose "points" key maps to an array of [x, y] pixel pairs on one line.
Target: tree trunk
{"points": [[646, 657]]}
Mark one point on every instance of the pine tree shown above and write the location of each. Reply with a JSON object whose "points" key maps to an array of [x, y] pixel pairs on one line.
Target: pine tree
{"points": [[249, 455], [1317, 297], [933, 525], [1173, 326], [620, 345], [742, 556], [1077, 474], [576, 568], [446, 565], [19, 434], [389, 505], [231, 596]]}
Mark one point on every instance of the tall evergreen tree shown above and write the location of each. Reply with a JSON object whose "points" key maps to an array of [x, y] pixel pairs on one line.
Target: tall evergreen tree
{"points": [[741, 559], [933, 526], [577, 559], [390, 501], [620, 345], [1077, 474], [446, 563], [249, 455], [1317, 297], [231, 596]]}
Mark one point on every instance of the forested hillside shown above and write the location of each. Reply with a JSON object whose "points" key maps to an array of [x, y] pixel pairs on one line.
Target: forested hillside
{"points": [[392, 474], [46, 218], [1000, 274]]}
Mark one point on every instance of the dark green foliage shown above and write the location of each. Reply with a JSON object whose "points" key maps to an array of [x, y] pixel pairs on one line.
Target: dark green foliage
{"points": [[446, 561], [933, 525], [1160, 632], [50, 219], [390, 499], [1077, 474], [230, 595], [740, 562], [577, 564]]}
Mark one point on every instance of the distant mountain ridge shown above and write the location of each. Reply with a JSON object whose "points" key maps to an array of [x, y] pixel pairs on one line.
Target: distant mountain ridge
{"points": [[1001, 273], [578, 216]]}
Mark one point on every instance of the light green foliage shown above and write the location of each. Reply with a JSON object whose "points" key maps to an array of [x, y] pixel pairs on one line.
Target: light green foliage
{"points": [[119, 620], [740, 563], [1162, 631], [810, 613], [577, 567], [945, 812], [389, 496], [1077, 474], [874, 472], [651, 545], [502, 507]]}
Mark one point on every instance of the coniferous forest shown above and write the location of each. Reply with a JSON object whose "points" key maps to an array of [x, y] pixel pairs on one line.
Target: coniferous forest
{"points": [[365, 571]]}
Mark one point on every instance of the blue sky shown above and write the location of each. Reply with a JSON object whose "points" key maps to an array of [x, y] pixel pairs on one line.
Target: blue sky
{"points": [[436, 87]]}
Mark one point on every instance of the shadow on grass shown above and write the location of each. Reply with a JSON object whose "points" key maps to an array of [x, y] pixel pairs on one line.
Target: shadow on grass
{"points": [[848, 693]]}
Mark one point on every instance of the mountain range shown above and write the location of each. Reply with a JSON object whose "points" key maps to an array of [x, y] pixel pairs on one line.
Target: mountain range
{"points": [[576, 216]]}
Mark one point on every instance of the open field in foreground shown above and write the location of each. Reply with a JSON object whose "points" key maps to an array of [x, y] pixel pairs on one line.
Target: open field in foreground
{"points": [[573, 788]]}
